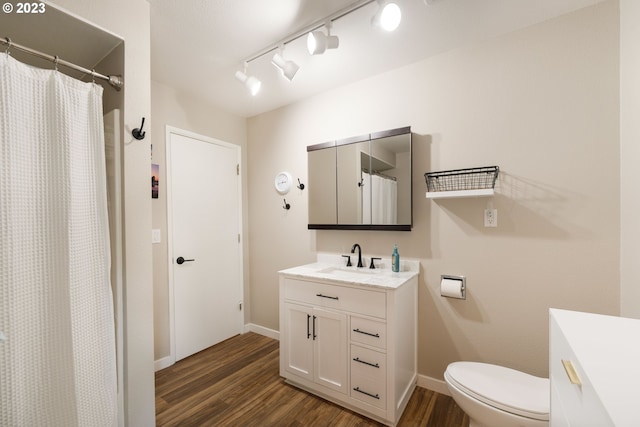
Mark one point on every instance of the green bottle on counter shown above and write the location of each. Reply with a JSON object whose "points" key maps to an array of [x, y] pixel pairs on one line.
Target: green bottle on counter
{"points": [[395, 259]]}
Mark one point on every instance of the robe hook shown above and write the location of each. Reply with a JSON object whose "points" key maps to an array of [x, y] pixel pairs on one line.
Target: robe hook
{"points": [[138, 133], [8, 40], [286, 206], [300, 185]]}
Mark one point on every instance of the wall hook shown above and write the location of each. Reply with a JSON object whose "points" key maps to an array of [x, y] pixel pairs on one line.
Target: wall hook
{"points": [[286, 206], [300, 185], [138, 133], [361, 183]]}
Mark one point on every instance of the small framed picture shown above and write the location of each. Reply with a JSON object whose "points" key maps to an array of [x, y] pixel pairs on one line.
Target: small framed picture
{"points": [[155, 179]]}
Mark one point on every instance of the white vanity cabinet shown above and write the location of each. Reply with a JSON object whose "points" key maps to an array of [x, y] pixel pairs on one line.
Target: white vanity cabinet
{"points": [[595, 371], [350, 343]]}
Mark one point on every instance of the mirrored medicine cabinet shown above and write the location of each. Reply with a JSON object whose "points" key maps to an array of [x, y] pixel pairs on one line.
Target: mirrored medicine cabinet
{"points": [[362, 182]]}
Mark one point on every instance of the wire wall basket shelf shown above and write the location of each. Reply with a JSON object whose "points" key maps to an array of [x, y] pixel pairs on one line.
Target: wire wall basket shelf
{"points": [[462, 182]]}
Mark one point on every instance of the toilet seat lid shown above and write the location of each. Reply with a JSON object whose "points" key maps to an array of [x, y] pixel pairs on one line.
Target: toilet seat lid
{"points": [[503, 388]]}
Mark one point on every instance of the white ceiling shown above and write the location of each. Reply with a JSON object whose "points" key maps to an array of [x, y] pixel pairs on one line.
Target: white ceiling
{"points": [[198, 45]]}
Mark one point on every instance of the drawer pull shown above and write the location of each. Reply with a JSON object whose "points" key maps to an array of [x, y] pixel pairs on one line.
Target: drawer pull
{"points": [[327, 296], [571, 372], [375, 365], [375, 396], [366, 333]]}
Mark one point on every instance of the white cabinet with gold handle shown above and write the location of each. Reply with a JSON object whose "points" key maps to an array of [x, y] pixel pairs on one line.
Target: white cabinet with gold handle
{"points": [[594, 370]]}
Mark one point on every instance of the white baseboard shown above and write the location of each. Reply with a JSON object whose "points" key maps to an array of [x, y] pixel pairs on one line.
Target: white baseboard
{"points": [[271, 333], [433, 384], [165, 362]]}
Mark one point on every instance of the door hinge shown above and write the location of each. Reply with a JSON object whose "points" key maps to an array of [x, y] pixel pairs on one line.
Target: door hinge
{"points": [[240, 306], [238, 237], [238, 169]]}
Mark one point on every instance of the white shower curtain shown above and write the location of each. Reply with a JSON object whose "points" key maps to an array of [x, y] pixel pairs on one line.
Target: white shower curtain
{"points": [[379, 200], [57, 340]]}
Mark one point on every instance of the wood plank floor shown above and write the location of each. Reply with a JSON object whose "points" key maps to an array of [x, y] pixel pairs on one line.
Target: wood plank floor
{"points": [[237, 383]]}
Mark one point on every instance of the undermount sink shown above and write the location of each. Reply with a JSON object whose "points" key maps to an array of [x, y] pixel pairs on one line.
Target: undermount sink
{"points": [[348, 271]]}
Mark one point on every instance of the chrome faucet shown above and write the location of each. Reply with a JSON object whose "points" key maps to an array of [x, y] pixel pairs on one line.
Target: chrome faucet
{"points": [[353, 250]]}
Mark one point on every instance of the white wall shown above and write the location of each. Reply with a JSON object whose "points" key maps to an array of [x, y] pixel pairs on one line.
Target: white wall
{"points": [[542, 103], [129, 19], [172, 108], [629, 158]]}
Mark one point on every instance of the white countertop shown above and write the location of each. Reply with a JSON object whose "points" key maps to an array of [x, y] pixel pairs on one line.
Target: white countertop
{"points": [[378, 278]]}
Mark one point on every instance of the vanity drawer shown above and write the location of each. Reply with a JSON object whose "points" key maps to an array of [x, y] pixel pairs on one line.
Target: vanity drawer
{"points": [[369, 376], [369, 332], [362, 301]]}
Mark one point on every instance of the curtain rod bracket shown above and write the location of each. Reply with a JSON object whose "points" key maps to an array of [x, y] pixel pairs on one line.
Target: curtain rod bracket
{"points": [[116, 82]]}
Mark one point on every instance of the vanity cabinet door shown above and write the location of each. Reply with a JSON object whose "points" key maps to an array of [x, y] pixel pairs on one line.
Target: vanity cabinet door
{"points": [[331, 349], [298, 336], [316, 345]]}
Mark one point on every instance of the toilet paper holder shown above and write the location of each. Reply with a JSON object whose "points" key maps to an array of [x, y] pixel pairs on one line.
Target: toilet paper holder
{"points": [[460, 289]]}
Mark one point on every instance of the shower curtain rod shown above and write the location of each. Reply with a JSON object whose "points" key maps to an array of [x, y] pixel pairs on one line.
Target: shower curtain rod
{"points": [[115, 81], [380, 174]]}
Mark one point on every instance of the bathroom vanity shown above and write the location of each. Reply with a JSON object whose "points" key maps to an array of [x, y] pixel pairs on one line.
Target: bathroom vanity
{"points": [[349, 335], [594, 369]]}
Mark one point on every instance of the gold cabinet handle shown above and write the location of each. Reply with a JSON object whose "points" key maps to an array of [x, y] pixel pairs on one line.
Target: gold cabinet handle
{"points": [[571, 372]]}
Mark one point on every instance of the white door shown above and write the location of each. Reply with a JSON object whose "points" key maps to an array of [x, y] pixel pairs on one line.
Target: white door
{"points": [[204, 230]]}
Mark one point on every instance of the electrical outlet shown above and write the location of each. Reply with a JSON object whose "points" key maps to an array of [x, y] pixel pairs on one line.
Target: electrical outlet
{"points": [[491, 217]]}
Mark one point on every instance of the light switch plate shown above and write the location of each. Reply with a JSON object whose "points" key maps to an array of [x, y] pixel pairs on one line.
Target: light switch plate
{"points": [[155, 235]]}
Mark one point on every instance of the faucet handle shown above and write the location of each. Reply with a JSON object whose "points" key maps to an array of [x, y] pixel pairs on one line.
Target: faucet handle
{"points": [[372, 264], [348, 257]]}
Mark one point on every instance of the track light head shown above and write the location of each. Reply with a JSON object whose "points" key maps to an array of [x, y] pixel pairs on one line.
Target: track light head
{"points": [[388, 16], [252, 83], [288, 68], [318, 42]]}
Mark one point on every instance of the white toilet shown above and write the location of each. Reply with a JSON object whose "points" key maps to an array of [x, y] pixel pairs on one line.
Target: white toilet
{"points": [[495, 396]]}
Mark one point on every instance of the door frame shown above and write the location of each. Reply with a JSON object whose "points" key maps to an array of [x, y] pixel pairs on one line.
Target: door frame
{"points": [[170, 130]]}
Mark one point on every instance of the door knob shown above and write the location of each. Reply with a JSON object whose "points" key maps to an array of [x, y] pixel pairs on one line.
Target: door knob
{"points": [[181, 260]]}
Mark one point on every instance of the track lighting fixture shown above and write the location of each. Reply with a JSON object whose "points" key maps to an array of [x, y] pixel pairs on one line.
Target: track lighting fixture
{"points": [[318, 42], [252, 83], [288, 68], [388, 16]]}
